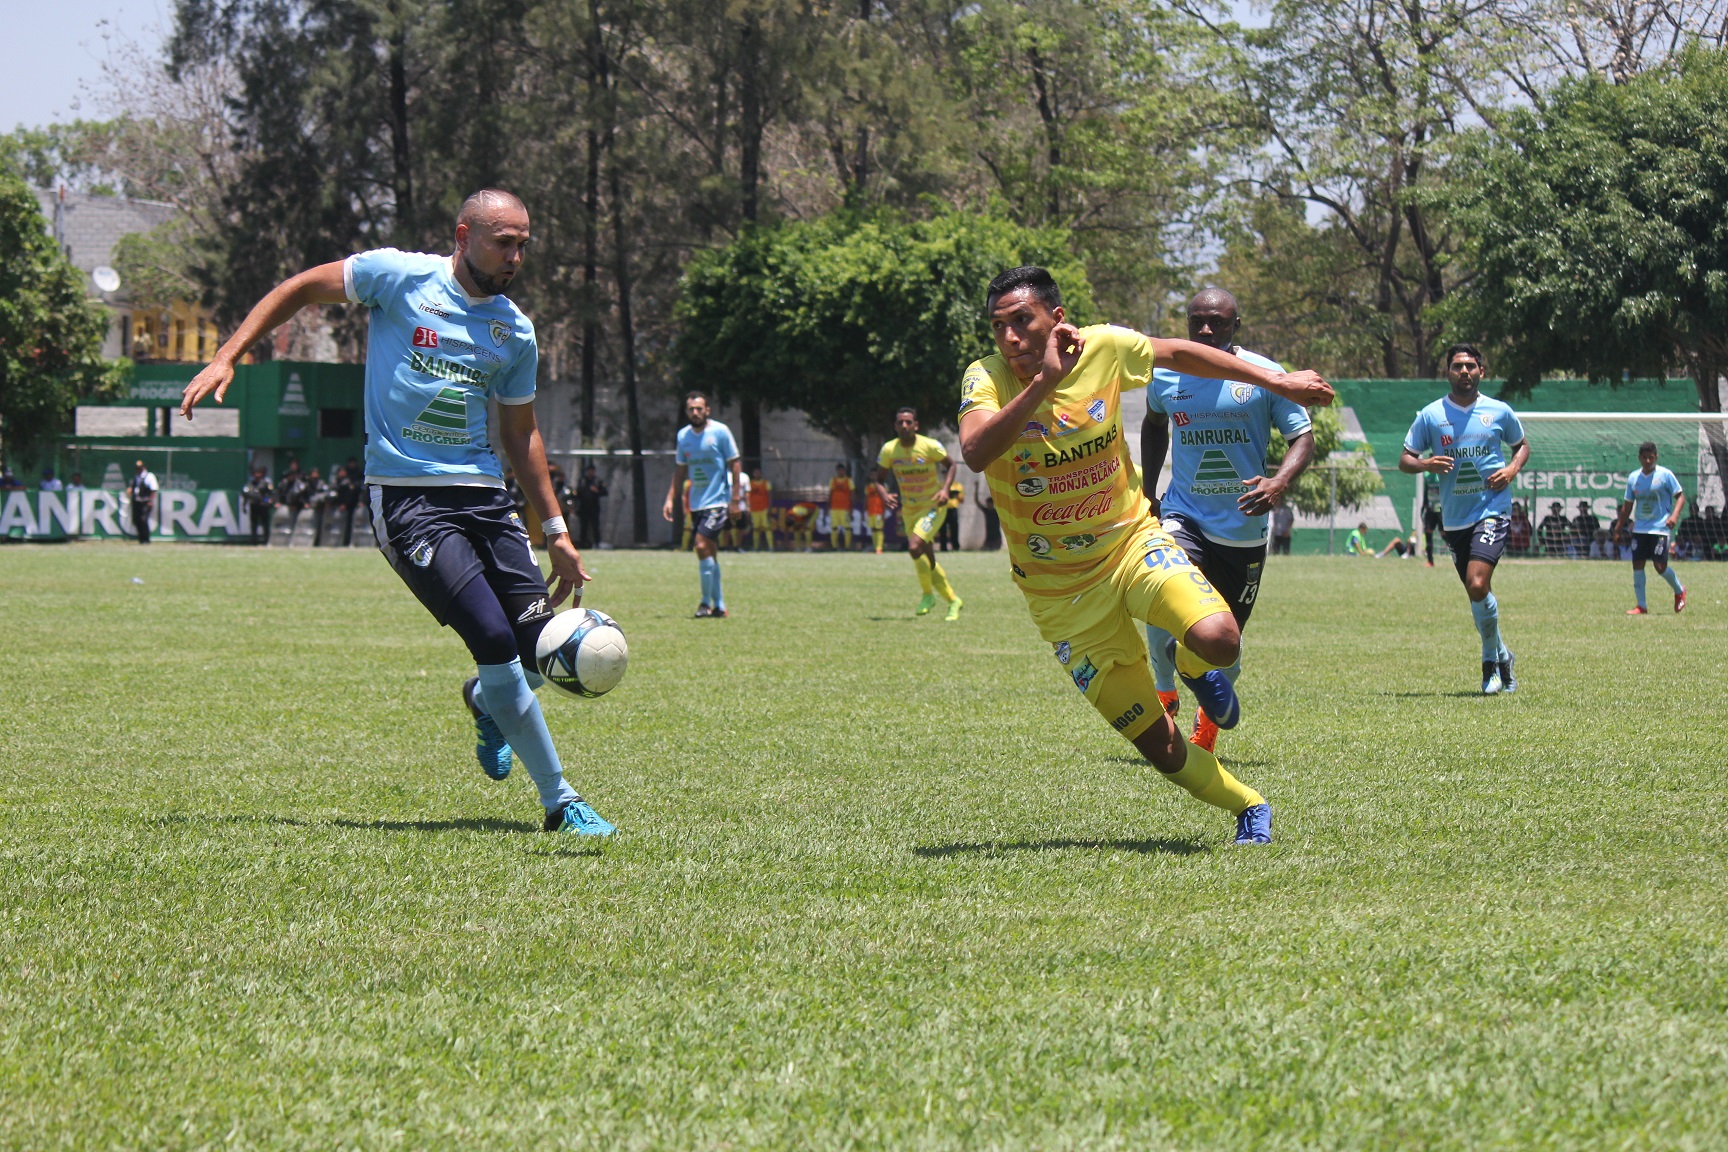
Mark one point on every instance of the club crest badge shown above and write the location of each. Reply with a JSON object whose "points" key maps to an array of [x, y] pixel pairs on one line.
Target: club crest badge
{"points": [[1063, 651], [1097, 410], [420, 555], [500, 332], [1242, 392], [1487, 419]]}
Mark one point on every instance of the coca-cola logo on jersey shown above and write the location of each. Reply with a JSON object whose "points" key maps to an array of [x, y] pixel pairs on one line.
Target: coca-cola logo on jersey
{"points": [[1096, 504]]}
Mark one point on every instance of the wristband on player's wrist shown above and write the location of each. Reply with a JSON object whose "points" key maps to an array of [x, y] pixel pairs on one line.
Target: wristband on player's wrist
{"points": [[554, 526]]}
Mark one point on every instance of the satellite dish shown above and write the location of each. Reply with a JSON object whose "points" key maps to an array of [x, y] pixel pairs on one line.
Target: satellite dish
{"points": [[105, 277]]}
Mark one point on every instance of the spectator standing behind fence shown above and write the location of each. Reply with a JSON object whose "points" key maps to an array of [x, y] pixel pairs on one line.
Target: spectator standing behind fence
{"points": [[1585, 525], [875, 515], [49, 483], [949, 534], [260, 497], [1518, 531], [1555, 531], [1431, 525], [322, 496], [840, 492], [348, 485], [992, 520], [291, 493], [589, 492], [141, 493], [1283, 522], [761, 499]]}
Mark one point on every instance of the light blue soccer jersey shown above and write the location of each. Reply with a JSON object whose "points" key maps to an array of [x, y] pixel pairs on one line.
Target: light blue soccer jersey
{"points": [[706, 454], [1219, 432], [434, 355], [1476, 438], [1652, 499]]}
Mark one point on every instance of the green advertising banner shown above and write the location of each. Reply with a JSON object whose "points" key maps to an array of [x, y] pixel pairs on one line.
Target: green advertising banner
{"points": [[207, 515]]}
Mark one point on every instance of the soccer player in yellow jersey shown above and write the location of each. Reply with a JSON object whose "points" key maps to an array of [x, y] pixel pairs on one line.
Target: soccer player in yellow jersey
{"points": [[761, 500], [923, 503], [840, 492], [873, 513], [1041, 419]]}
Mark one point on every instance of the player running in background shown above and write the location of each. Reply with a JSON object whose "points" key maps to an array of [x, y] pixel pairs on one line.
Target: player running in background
{"points": [[1041, 419], [1654, 501], [874, 510], [1215, 507], [1469, 436], [761, 499], [923, 503], [708, 456], [442, 341], [840, 493]]}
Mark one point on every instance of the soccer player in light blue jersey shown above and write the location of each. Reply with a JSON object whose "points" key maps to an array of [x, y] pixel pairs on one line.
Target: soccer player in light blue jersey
{"points": [[1219, 495], [1476, 446], [708, 455], [1654, 501], [444, 340]]}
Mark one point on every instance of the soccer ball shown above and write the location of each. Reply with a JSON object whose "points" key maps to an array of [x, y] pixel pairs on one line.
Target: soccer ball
{"points": [[583, 652]]}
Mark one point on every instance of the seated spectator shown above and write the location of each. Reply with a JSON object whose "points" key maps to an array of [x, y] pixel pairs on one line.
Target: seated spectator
{"points": [[1518, 531], [1404, 548], [1555, 532], [1358, 544]]}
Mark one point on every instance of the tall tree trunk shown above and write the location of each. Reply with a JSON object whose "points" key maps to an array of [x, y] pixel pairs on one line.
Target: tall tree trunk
{"points": [[591, 229], [627, 338], [750, 118], [1052, 131], [407, 222]]}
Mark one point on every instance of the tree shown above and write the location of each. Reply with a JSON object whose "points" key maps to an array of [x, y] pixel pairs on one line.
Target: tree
{"points": [[1347, 480], [848, 318], [50, 334], [1596, 232]]}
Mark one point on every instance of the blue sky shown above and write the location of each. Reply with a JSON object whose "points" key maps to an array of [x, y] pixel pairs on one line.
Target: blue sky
{"points": [[54, 69]]}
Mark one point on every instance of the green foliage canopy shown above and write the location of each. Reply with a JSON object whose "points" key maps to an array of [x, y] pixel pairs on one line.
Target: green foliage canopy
{"points": [[50, 334], [1315, 489], [848, 318], [1599, 240]]}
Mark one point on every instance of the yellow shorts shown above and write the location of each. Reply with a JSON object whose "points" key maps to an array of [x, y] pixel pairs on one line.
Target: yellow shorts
{"points": [[927, 525], [759, 521], [874, 519], [1153, 582]]}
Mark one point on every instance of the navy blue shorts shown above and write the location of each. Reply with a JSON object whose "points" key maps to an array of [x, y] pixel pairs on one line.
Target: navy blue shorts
{"points": [[438, 539], [1233, 569], [1649, 546], [710, 522], [1484, 540]]}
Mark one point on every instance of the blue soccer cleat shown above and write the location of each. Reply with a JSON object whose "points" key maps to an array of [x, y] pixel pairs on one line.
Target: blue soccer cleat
{"points": [[579, 819], [1508, 681], [1254, 825], [1491, 682], [490, 747], [1212, 691]]}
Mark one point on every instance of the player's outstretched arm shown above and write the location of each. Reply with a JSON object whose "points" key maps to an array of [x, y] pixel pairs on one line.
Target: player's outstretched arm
{"points": [[1308, 389], [320, 285], [985, 436], [519, 434]]}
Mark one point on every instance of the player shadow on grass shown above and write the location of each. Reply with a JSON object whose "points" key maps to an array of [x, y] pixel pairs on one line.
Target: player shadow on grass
{"points": [[1432, 695], [467, 824], [1171, 847]]}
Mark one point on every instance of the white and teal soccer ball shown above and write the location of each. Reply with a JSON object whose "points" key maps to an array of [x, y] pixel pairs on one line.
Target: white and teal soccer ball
{"points": [[583, 652]]}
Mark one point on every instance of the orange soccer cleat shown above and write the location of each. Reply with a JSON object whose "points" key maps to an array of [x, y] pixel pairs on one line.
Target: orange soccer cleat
{"points": [[1168, 700], [1640, 611], [1680, 600], [1205, 731]]}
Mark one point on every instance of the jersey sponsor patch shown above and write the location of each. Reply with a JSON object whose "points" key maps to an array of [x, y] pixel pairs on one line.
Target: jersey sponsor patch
{"points": [[1085, 674], [425, 338]]}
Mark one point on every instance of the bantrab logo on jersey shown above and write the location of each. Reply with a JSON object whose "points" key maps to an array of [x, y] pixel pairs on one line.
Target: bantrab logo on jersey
{"points": [[1216, 476]]}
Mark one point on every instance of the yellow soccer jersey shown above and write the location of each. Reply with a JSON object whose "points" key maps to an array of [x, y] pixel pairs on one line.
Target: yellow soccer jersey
{"points": [[919, 470], [1067, 491]]}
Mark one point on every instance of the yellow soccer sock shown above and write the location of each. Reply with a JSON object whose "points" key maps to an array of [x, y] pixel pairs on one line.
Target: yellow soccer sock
{"points": [[939, 580], [1191, 665], [684, 545], [922, 563], [876, 535], [1210, 782]]}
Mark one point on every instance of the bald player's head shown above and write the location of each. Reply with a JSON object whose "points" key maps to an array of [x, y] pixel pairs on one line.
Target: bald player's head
{"points": [[1213, 318], [491, 235]]}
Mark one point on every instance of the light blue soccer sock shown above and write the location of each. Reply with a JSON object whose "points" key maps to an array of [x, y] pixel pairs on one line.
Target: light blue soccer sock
{"points": [[719, 600], [707, 584], [1638, 586], [506, 696], [1163, 668], [710, 569], [1669, 575], [1487, 614]]}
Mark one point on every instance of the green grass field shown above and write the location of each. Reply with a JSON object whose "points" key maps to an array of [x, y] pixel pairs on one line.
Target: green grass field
{"points": [[879, 882]]}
